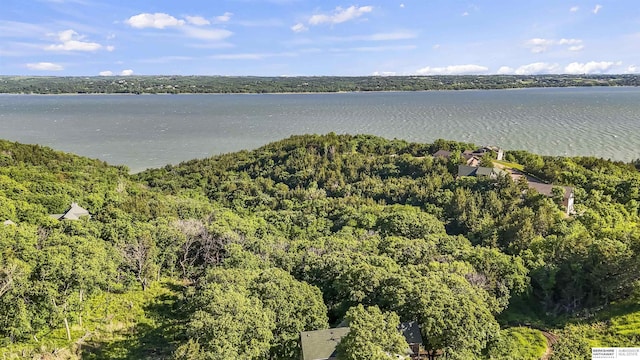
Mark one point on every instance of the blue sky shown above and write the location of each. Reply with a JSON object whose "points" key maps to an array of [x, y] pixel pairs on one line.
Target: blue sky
{"points": [[299, 37]]}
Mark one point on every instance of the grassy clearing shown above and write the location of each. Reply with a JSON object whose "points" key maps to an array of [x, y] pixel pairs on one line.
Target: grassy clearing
{"points": [[618, 325], [511, 165], [519, 343], [133, 325], [137, 325]]}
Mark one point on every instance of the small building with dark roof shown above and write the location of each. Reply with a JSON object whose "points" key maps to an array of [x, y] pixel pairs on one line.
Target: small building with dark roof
{"points": [[411, 332], [442, 154]]}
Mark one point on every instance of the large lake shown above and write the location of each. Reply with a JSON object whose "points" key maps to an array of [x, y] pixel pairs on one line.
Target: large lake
{"points": [[155, 130]]}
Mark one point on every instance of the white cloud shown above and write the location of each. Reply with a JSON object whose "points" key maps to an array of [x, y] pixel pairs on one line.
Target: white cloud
{"points": [[197, 20], [633, 69], [127, 72], [466, 13], [505, 70], [591, 67], [574, 9], [68, 35], [537, 68], [384, 73], [206, 34], [72, 41], [45, 66], [436, 46], [597, 9], [106, 73], [574, 44], [453, 70], [539, 45], [195, 30], [340, 15], [569, 41], [157, 20], [299, 27], [224, 17], [402, 6], [74, 45]]}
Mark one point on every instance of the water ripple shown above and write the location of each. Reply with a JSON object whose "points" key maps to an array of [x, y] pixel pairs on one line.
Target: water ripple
{"points": [[151, 131]]}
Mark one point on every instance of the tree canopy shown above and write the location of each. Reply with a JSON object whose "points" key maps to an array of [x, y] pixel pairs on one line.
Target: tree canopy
{"points": [[252, 248]]}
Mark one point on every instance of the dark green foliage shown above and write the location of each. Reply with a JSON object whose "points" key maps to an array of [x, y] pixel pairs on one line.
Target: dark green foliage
{"points": [[290, 236], [372, 335], [229, 324], [572, 345], [253, 84], [268, 309]]}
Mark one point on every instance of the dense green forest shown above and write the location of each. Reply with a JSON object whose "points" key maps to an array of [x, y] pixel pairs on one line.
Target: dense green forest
{"points": [[250, 84], [231, 257]]}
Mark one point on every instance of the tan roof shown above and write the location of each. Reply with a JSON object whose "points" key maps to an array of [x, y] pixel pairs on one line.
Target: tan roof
{"points": [[321, 344]]}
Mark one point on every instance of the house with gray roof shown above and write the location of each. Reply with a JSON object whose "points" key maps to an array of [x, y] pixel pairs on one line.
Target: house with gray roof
{"points": [[492, 173], [75, 212], [547, 190], [471, 157], [468, 156], [445, 154]]}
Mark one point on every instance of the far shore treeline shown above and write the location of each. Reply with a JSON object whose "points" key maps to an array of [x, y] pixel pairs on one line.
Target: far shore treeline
{"points": [[163, 84]]}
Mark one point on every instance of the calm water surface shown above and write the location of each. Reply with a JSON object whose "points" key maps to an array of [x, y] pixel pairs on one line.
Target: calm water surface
{"points": [[155, 130]]}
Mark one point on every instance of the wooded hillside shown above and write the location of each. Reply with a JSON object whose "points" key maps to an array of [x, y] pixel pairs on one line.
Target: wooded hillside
{"points": [[234, 255]]}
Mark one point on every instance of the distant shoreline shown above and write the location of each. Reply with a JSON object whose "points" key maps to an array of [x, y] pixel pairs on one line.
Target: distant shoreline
{"points": [[172, 85], [312, 93]]}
